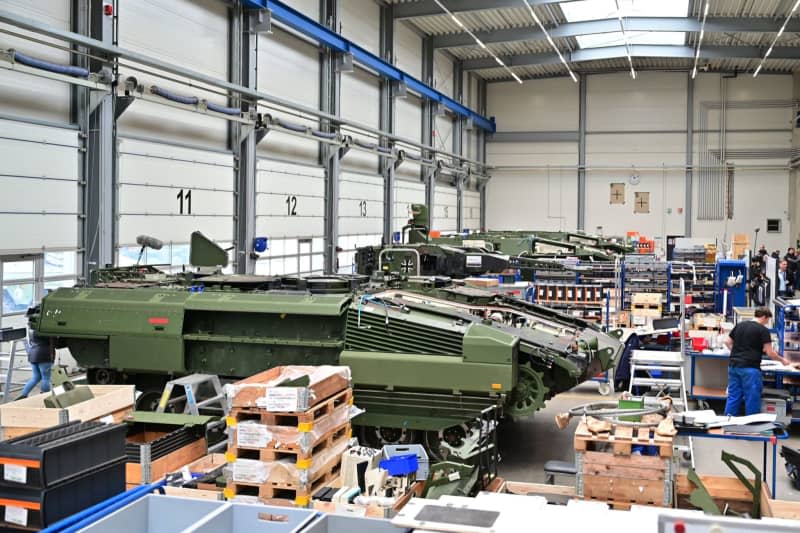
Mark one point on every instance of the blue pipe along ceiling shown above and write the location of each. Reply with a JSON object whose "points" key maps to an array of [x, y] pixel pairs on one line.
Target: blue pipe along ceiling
{"points": [[326, 37]]}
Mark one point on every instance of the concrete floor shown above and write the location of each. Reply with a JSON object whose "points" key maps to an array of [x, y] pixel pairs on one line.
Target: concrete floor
{"points": [[527, 444]]}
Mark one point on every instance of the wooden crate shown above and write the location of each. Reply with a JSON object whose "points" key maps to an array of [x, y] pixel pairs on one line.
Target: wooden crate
{"points": [[646, 298], [608, 472], [200, 494], [330, 440], [279, 491], [313, 416], [30, 414], [621, 439], [725, 491], [372, 511], [706, 321], [325, 382], [150, 471]]}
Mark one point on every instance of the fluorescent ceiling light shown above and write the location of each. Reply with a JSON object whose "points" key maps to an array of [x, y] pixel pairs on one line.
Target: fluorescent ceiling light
{"points": [[584, 10], [775, 40], [550, 40], [700, 40], [478, 41]]}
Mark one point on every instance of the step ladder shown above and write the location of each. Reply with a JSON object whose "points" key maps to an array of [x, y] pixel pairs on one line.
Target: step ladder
{"points": [[663, 372], [16, 338], [191, 385]]}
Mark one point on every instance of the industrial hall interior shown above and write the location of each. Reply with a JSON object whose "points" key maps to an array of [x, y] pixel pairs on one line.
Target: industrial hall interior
{"points": [[395, 266]]}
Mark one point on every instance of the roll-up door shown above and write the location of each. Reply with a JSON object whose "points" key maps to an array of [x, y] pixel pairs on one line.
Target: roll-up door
{"points": [[445, 208], [406, 192], [168, 192], [471, 213], [290, 213], [360, 215]]}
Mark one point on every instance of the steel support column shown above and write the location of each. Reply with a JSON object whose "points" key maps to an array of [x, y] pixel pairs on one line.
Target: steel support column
{"points": [[428, 117], [387, 120], [687, 210], [330, 88], [582, 152], [794, 173], [458, 141], [99, 137], [243, 61], [481, 155]]}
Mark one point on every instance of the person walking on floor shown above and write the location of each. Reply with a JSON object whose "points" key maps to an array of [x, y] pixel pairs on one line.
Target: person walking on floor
{"points": [[747, 342], [40, 355]]}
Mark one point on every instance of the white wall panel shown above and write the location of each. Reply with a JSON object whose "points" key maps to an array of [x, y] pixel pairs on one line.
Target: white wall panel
{"points": [[38, 187], [309, 8], [361, 103], [183, 32], [360, 23], [538, 105], [303, 187], [443, 73], [659, 157], [532, 198], [290, 212], [408, 49], [24, 95], [443, 133], [288, 67], [405, 194], [408, 124], [471, 211], [655, 101], [152, 176], [360, 215], [445, 207]]}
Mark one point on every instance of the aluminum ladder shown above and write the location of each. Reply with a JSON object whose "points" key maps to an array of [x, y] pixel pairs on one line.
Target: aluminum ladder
{"points": [[670, 379], [191, 385], [14, 336]]}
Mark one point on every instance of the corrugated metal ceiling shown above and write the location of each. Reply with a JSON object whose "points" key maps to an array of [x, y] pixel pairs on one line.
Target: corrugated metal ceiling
{"points": [[492, 19]]}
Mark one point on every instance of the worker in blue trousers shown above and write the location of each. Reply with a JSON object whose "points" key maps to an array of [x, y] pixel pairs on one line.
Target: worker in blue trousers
{"points": [[40, 356], [747, 342]]}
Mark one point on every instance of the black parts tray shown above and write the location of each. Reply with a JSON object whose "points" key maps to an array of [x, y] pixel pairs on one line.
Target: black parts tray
{"points": [[33, 510], [54, 455]]}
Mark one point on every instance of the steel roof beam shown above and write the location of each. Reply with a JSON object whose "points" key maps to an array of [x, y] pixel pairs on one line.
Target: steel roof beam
{"points": [[637, 50], [427, 8], [632, 24]]}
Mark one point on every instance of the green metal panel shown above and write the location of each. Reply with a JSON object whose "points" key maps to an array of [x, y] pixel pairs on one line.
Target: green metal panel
{"points": [[484, 344], [288, 304], [429, 372], [142, 352]]}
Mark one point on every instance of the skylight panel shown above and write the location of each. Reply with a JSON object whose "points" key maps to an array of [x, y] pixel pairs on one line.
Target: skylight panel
{"points": [[586, 10]]}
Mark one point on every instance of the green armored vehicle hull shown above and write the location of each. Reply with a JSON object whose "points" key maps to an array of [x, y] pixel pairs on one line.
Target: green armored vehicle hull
{"points": [[427, 357]]}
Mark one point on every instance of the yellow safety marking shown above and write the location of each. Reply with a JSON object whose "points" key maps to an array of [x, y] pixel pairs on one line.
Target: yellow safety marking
{"points": [[230, 457], [350, 433], [350, 401], [304, 464], [496, 386], [301, 501], [164, 398], [228, 493], [305, 427], [230, 421]]}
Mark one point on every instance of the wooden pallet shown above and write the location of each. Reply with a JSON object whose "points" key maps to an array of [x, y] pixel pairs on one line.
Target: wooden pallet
{"points": [[272, 453], [292, 438], [299, 494], [621, 438], [623, 480], [312, 416], [326, 382]]}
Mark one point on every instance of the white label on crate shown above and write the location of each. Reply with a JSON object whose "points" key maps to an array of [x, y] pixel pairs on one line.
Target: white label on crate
{"points": [[283, 399], [58, 390], [16, 473], [17, 515], [454, 476], [252, 435], [250, 471], [474, 261], [108, 419]]}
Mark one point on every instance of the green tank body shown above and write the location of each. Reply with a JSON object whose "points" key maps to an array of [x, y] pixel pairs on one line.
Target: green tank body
{"points": [[426, 356]]}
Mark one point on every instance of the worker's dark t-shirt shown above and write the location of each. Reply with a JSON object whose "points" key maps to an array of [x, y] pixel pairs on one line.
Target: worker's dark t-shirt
{"points": [[749, 339]]}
